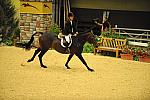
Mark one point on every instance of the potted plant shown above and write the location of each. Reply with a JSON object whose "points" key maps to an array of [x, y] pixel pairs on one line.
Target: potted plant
{"points": [[112, 34], [143, 55], [136, 54], [127, 53]]}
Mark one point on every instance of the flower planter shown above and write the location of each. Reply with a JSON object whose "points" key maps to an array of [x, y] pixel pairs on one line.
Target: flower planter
{"points": [[127, 56], [144, 59]]}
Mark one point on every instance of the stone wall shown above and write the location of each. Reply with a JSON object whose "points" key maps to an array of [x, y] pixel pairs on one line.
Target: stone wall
{"points": [[30, 22], [34, 22]]}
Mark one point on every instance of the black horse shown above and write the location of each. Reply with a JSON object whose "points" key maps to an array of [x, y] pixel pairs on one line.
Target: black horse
{"points": [[50, 40]]}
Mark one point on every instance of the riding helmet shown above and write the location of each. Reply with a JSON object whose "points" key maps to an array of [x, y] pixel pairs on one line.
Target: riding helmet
{"points": [[70, 14]]}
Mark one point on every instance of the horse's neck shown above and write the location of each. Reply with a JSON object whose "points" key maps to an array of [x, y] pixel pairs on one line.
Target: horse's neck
{"points": [[84, 36]]}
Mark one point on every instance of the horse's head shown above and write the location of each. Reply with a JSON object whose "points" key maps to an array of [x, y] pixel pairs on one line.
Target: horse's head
{"points": [[97, 22], [91, 38]]}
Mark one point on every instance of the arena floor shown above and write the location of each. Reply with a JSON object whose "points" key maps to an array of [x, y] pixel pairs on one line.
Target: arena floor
{"points": [[113, 79]]}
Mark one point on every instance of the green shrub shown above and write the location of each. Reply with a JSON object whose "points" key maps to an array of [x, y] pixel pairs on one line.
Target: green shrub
{"points": [[114, 35], [98, 39], [55, 28], [9, 23], [8, 42], [110, 34], [88, 48]]}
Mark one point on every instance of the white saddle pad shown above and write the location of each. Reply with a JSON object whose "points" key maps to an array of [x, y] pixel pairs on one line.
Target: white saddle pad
{"points": [[68, 39]]}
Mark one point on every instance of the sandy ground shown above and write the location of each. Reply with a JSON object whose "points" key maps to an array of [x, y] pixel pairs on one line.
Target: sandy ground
{"points": [[113, 79]]}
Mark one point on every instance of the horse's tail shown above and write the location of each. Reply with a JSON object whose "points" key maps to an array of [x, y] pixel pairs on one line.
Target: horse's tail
{"points": [[28, 45]]}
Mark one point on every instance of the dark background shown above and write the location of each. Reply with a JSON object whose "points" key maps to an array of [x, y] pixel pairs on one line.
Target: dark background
{"points": [[123, 13], [123, 19]]}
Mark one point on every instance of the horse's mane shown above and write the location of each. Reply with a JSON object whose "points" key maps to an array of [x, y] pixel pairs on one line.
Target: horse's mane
{"points": [[86, 32]]}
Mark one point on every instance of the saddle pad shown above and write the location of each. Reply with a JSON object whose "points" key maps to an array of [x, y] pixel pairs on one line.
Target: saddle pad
{"points": [[68, 39]]}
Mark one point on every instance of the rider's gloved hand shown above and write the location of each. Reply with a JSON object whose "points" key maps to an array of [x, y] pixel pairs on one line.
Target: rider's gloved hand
{"points": [[76, 34]]}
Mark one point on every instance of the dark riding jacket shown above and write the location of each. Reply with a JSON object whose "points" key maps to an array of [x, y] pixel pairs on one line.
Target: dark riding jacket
{"points": [[70, 29]]}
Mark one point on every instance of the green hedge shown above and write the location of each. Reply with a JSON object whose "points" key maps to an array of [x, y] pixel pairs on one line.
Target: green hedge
{"points": [[88, 48]]}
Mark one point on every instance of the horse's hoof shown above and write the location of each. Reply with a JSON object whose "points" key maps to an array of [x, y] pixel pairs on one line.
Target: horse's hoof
{"points": [[29, 60], [44, 66], [92, 70], [67, 67]]}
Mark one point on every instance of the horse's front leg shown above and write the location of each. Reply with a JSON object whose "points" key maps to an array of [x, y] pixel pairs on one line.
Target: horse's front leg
{"points": [[69, 58], [83, 61], [40, 57]]}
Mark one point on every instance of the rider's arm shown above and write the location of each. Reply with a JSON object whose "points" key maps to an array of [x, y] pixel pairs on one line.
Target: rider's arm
{"points": [[76, 29], [67, 29]]}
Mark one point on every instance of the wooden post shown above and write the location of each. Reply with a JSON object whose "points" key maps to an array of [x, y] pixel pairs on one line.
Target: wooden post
{"points": [[117, 52], [95, 50]]}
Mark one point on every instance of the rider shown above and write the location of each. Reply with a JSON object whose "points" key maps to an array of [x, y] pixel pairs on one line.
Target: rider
{"points": [[106, 25], [70, 27]]}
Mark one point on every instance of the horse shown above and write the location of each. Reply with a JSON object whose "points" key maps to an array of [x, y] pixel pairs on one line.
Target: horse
{"points": [[50, 40]]}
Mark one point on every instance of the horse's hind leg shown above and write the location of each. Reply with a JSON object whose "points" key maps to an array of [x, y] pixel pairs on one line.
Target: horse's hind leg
{"points": [[40, 57], [69, 58], [35, 53]]}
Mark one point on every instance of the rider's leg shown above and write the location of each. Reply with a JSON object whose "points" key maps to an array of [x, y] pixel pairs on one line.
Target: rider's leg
{"points": [[66, 44]]}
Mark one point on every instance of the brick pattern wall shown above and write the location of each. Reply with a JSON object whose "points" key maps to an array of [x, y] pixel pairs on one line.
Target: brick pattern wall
{"points": [[34, 22]]}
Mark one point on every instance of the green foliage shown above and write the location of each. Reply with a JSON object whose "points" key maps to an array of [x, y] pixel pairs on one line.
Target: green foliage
{"points": [[105, 34], [114, 35], [9, 25], [136, 52], [148, 44], [55, 28], [110, 34], [8, 42], [16, 32], [88, 48], [135, 58], [117, 36], [98, 39]]}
